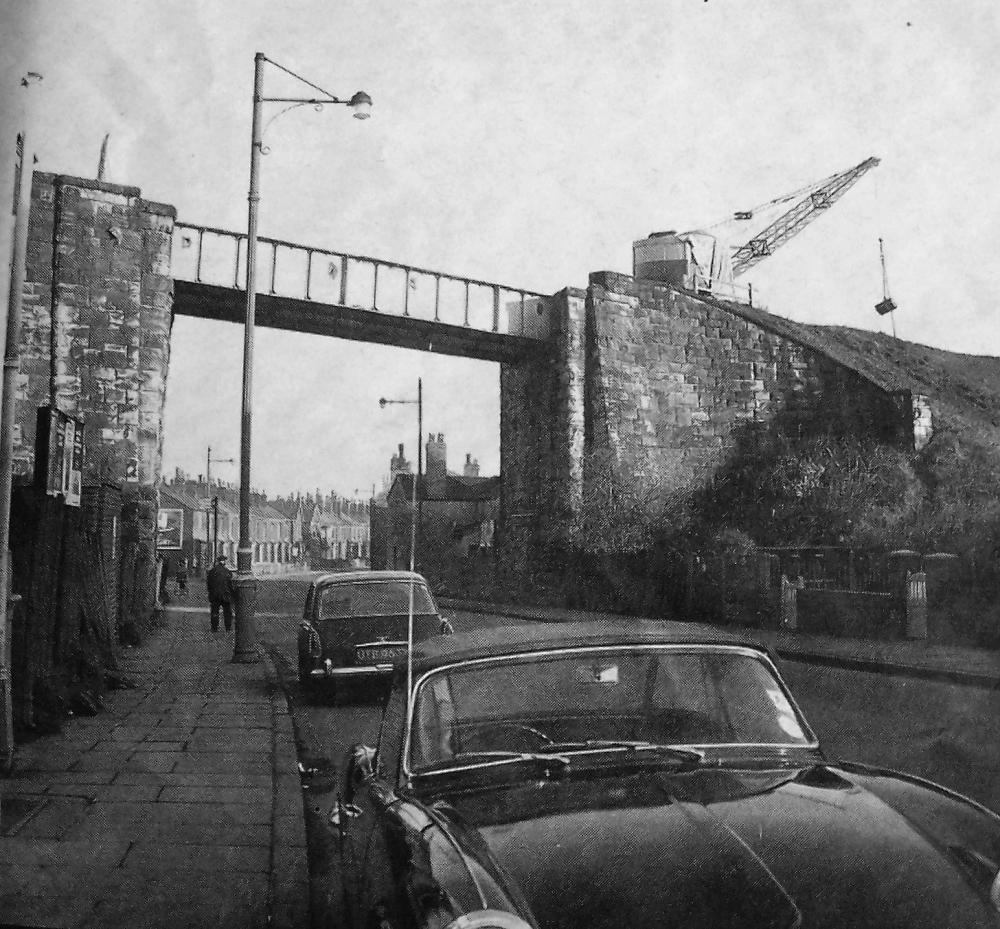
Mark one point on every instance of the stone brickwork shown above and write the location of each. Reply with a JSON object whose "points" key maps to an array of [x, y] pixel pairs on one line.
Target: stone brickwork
{"points": [[96, 342], [671, 377], [96, 326], [660, 385], [542, 432]]}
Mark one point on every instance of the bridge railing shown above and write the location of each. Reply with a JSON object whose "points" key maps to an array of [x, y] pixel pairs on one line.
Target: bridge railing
{"points": [[206, 255]]}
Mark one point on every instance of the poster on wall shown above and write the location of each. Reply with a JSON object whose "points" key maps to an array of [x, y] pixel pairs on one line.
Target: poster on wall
{"points": [[169, 529], [59, 454]]}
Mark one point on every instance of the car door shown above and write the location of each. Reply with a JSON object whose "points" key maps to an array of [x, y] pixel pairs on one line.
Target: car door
{"points": [[367, 796]]}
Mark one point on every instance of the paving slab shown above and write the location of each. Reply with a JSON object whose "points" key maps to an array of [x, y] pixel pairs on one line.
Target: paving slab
{"points": [[196, 778], [56, 817], [229, 740], [204, 794], [220, 762], [193, 898], [227, 720], [43, 883], [148, 857], [153, 762]]}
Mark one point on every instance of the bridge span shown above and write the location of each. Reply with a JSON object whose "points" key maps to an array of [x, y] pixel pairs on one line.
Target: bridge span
{"points": [[316, 290]]}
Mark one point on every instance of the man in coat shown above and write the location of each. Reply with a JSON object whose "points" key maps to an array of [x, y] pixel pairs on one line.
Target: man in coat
{"points": [[220, 593]]}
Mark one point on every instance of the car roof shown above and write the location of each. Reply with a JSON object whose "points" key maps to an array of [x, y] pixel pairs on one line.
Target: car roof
{"points": [[352, 577], [535, 637]]}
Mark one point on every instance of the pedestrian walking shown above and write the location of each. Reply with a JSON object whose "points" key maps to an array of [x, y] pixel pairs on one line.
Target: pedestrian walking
{"points": [[164, 575], [182, 577], [220, 593]]}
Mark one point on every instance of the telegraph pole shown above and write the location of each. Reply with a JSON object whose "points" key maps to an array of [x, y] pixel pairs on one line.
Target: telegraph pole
{"points": [[11, 334], [212, 546]]}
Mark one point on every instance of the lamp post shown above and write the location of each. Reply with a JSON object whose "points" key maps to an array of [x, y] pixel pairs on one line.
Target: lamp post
{"points": [[383, 402], [245, 646], [213, 505]]}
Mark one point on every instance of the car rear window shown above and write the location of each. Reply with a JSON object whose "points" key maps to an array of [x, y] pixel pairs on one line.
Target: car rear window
{"points": [[373, 598]]}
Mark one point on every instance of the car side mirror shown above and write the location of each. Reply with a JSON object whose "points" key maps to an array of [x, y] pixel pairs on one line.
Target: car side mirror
{"points": [[446, 627], [360, 768]]}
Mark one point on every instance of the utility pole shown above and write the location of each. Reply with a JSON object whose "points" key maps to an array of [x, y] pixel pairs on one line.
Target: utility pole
{"points": [[215, 528], [211, 545], [11, 334]]}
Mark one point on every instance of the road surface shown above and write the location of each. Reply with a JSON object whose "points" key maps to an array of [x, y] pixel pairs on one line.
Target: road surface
{"points": [[945, 732]]}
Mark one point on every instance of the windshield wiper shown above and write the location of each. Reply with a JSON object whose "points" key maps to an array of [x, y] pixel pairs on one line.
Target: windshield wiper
{"points": [[681, 753], [459, 759]]}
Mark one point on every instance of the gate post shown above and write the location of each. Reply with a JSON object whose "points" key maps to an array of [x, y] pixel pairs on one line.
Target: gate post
{"points": [[789, 604], [916, 605]]}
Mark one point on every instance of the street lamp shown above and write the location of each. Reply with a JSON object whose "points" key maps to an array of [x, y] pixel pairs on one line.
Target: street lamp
{"points": [[245, 646], [413, 524], [419, 402]]}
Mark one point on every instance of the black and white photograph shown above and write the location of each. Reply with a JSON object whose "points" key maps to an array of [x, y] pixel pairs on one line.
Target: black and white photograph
{"points": [[516, 465]]}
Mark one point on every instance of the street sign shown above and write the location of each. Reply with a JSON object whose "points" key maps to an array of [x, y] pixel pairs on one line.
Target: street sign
{"points": [[169, 529], [59, 454]]}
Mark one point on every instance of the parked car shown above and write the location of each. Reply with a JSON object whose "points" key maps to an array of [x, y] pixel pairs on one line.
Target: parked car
{"points": [[639, 775], [354, 624]]}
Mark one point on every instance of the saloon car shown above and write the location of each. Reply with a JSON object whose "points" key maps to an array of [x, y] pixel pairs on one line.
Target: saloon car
{"points": [[638, 775], [354, 624]]}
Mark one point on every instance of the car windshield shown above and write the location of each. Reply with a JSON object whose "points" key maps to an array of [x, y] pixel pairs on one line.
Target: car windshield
{"points": [[373, 598], [587, 700]]}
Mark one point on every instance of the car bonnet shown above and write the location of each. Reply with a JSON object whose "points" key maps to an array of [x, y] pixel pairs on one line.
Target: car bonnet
{"points": [[769, 850]]}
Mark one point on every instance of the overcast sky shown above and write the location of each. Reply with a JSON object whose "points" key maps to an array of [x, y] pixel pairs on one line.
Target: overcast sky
{"points": [[524, 142]]}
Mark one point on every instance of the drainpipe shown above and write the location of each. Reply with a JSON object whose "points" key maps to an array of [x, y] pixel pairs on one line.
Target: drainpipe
{"points": [[11, 365]]}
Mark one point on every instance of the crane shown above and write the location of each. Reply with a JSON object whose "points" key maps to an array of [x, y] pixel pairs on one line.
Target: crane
{"points": [[706, 259], [810, 202]]}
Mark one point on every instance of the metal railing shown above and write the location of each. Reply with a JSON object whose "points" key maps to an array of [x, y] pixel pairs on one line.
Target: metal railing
{"points": [[206, 255]]}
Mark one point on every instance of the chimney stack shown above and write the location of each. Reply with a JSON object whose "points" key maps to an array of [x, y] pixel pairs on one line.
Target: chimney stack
{"points": [[436, 462], [471, 468]]}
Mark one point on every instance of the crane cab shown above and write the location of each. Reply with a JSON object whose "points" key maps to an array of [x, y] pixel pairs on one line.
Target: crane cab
{"points": [[666, 258]]}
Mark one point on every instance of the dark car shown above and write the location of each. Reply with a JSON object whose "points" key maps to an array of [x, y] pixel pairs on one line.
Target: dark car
{"points": [[354, 624], [639, 775]]}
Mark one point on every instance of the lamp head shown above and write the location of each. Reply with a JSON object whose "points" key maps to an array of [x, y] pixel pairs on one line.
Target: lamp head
{"points": [[361, 103], [382, 402]]}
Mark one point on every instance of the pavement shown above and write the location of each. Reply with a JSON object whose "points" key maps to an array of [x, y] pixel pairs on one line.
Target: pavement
{"points": [[179, 806], [917, 658]]}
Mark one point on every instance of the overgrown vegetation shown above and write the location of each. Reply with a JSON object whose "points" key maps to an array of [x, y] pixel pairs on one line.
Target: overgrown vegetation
{"points": [[782, 490]]}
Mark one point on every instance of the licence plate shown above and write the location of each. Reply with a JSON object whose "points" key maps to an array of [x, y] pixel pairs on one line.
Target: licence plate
{"points": [[379, 654]]}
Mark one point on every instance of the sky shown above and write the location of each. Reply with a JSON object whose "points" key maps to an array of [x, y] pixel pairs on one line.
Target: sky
{"points": [[522, 142]]}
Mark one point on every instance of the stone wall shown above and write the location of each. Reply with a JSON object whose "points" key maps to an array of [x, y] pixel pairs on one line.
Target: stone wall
{"points": [[672, 377], [96, 343], [657, 388], [96, 326], [541, 441]]}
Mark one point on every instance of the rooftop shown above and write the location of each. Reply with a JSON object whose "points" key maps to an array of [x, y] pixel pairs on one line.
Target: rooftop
{"points": [[523, 639]]}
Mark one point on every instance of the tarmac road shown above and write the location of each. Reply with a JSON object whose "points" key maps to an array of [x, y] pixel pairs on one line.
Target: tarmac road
{"points": [[948, 733]]}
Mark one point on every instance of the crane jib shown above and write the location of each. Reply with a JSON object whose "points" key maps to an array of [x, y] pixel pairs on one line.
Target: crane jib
{"points": [[819, 196]]}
